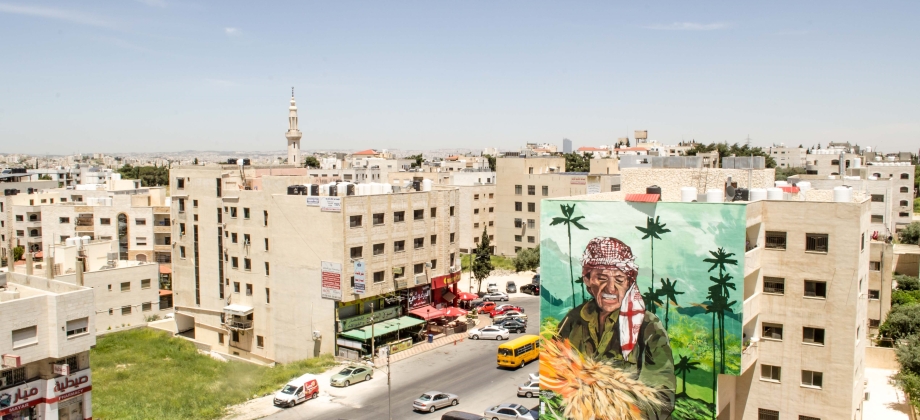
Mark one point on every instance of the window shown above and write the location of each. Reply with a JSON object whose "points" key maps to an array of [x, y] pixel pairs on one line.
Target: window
{"points": [[418, 243], [235, 336], [266, 244], [531, 223], [875, 265], [77, 326], [545, 191], [195, 203], [434, 239], [245, 212], [475, 211], [491, 209], [105, 221], [903, 214], [434, 264], [65, 220], [145, 284], [418, 268], [378, 277], [399, 216], [140, 222], [452, 260], [770, 373], [268, 295], [236, 287], [475, 196], [379, 249], [181, 229], [399, 246], [772, 331], [246, 239], [267, 269], [878, 218], [531, 207], [903, 203], [904, 190], [531, 239], [802, 417], [378, 219], [233, 212], [126, 286], [20, 218], [816, 242], [518, 206], [354, 221], [476, 239], [434, 212], [180, 183], [220, 338], [816, 289], [775, 240], [810, 378], [517, 238], [517, 249], [490, 222], [126, 310], [905, 176], [763, 414], [181, 252], [25, 336], [774, 285], [141, 241], [518, 189], [475, 226], [531, 190], [146, 306], [873, 323], [233, 237], [20, 233], [418, 214], [452, 238], [813, 335], [518, 223], [248, 289], [234, 262], [451, 210], [356, 252], [878, 198], [873, 294], [260, 341], [265, 218]]}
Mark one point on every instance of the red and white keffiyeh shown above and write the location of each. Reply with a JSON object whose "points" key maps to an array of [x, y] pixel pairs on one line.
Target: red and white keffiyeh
{"points": [[632, 313]]}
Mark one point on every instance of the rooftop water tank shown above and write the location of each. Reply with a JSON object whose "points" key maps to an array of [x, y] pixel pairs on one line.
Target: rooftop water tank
{"points": [[426, 185], [85, 240], [654, 189], [387, 188], [687, 194], [781, 184], [842, 194], [70, 242], [715, 195], [774, 193], [758, 194], [804, 186]]}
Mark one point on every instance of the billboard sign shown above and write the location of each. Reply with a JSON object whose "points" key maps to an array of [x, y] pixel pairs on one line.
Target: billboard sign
{"points": [[331, 275], [360, 275], [333, 204], [666, 280], [312, 201]]}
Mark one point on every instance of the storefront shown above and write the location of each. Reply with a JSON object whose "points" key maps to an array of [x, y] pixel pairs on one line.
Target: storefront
{"points": [[71, 394], [382, 327], [444, 289], [20, 403], [63, 398]]}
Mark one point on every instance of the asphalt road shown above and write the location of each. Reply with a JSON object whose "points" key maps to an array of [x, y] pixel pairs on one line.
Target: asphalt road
{"points": [[467, 369]]}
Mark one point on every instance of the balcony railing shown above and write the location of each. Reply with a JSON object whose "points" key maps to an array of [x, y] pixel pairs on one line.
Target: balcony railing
{"points": [[239, 325]]}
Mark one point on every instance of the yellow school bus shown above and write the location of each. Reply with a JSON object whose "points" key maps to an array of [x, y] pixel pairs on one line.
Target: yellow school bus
{"points": [[519, 351]]}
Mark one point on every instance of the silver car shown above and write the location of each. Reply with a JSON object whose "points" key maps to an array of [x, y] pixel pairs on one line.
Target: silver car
{"points": [[495, 297], [492, 331], [509, 412], [510, 314], [433, 400], [529, 389]]}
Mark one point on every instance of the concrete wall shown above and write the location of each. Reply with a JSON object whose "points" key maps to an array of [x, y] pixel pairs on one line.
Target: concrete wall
{"points": [[110, 299], [881, 358]]}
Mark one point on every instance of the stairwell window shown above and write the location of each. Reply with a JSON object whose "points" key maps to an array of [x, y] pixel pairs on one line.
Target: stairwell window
{"points": [[267, 269], [816, 242], [248, 289], [434, 239], [246, 212]]}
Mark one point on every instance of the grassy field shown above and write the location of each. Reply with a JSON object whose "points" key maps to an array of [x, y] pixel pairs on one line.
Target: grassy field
{"points": [[147, 374], [498, 262]]}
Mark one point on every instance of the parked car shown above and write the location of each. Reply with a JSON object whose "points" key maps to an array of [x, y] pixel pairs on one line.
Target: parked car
{"points": [[531, 289], [509, 412], [486, 307], [461, 415], [509, 314], [491, 331], [433, 400], [530, 389], [496, 296], [515, 325], [500, 309], [535, 279], [492, 287], [351, 375], [510, 287], [297, 390]]}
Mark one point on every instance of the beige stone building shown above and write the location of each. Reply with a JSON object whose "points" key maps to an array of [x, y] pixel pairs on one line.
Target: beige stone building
{"points": [[788, 157], [47, 324]]}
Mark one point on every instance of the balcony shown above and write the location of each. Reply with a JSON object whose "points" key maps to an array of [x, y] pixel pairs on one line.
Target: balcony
{"points": [[162, 248], [238, 324], [750, 352], [161, 210], [162, 229], [751, 307]]}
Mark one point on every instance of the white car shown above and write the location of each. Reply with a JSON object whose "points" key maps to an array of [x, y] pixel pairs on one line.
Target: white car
{"points": [[509, 412], [510, 314], [529, 389], [491, 331], [495, 297]]}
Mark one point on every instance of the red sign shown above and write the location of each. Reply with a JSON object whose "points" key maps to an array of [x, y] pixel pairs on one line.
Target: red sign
{"points": [[445, 280]]}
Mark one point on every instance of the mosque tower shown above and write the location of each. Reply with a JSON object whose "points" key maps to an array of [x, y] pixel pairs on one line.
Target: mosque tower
{"points": [[293, 135]]}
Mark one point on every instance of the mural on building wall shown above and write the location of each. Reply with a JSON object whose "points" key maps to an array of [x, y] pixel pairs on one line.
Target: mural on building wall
{"points": [[641, 307]]}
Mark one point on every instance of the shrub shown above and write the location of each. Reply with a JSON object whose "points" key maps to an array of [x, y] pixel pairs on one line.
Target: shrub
{"points": [[907, 282], [527, 259], [902, 322], [910, 234]]}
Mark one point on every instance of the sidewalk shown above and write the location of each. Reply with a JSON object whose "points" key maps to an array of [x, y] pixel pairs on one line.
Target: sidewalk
{"points": [[483, 320]]}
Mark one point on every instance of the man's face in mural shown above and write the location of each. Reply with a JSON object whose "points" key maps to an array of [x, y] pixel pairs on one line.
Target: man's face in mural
{"points": [[608, 286]]}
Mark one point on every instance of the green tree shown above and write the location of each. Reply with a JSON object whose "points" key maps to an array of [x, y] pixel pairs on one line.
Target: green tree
{"points": [[910, 234], [17, 253], [908, 354], [311, 162], [783, 174], [567, 212], [195, 162], [682, 368], [527, 259], [907, 283], [902, 322], [492, 162], [577, 163], [669, 292], [652, 230], [419, 159], [44, 177], [482, 259], [725, 149]]}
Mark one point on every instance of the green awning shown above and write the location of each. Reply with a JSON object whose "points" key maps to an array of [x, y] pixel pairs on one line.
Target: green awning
{"points": [[382, 328]]}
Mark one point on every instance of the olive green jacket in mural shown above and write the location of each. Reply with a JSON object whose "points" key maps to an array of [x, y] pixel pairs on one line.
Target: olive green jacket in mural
{"points": [[602, 342]]}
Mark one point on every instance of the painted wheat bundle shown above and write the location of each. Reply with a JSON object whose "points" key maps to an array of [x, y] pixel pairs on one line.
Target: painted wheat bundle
{"points": [[593, 390]]}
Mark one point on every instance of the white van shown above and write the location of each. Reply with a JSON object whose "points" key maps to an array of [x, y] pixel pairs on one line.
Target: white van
{"points": [[297, 390], [492, 287]]}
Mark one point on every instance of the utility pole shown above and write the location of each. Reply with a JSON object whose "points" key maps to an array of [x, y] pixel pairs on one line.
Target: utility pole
{"points": [[389, 399], [373, 354]]}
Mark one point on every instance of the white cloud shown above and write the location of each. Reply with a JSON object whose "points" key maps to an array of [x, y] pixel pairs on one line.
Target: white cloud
{"points": [[232, 31], [154, 3], [687, 26], [56, 14]]}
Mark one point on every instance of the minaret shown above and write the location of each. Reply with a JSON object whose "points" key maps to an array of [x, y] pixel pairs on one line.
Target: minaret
{"points": [[293, 135]]}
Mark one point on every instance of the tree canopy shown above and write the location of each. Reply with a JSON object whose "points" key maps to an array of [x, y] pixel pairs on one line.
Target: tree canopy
{"points": [[150, 176], [311, 162], [725, 149], [910, 234], [419, 159], [527, 259], [491, 160], [577, 163], [482, 258]]}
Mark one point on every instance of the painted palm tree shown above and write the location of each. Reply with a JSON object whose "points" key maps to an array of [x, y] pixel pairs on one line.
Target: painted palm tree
{"points": [[682, 368], [653, 230], [669, 292], [711, 309], [720, 292], [652, 301], [567, 211]]}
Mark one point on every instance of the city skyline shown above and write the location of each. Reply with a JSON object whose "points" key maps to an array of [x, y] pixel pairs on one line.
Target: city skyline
{"points": [[158, 75]]}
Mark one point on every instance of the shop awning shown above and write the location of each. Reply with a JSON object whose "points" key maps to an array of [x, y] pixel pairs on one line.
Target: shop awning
{"points": [[452, 311], [467, 296], [238, 310], [427, 312], [381, 328], [165, 269]]}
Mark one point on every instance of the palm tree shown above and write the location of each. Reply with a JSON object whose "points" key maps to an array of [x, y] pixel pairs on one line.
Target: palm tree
{"points": [[652, 299], [719, 294], [653, 229], [669, 292], [567, 211], [711, 309], [682, 367]]}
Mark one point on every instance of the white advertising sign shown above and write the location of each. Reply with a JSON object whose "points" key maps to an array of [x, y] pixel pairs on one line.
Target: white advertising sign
{"points": [[313, 201], [331, 280], [360, 276], [330, 204], [63, 369]]}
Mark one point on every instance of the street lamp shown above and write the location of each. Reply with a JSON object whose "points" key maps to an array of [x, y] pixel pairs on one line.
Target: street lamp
{"points": [[427, 320]]}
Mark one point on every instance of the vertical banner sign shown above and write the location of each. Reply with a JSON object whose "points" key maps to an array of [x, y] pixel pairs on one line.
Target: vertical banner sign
{"points": [[594, 185], [332, 280], [359, 277]]}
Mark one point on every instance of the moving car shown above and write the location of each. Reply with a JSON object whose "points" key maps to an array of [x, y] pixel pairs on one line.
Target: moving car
{"points": [[491, 331], [433, 400], [509, 412], [495, 296], [529, 389], [509, 314], [513, 324], [297, 390], [500, 309], [351, 375], [510, 287], [531, 289]]}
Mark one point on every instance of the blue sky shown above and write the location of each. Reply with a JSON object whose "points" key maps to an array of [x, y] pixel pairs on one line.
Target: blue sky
{"points": [[164, 75]]}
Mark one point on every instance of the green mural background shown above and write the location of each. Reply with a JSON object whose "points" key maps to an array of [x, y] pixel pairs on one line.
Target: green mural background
{"points": [[697, 292]]}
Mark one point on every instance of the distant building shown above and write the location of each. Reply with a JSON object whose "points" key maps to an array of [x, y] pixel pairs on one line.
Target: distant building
{"points": [[566, 146], [788, 157]]}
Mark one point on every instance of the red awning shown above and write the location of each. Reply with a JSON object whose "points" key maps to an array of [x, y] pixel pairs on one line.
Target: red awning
{"points": [[165, 269], [165, 292], [643, 198], [467, 296], [427, 312], [452, 311]]}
